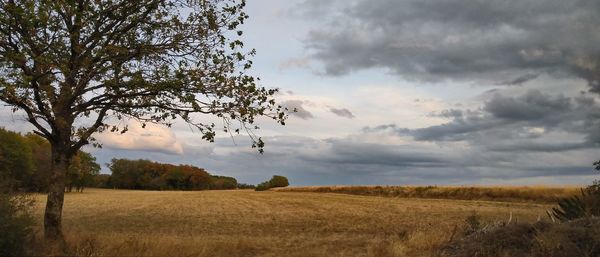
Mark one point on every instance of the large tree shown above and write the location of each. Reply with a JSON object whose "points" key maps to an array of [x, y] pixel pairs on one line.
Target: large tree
{"points": [[79, 67]]}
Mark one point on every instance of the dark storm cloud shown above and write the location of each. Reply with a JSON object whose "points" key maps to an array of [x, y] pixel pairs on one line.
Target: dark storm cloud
{"points": [[509, 123], [297, 107], [342, 112], [534, 105], [500, 41], [358, 162], [540, 147], [520, 80], [346, 152]]}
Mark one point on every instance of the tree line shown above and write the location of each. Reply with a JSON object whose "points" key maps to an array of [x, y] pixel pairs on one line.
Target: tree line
{"points": [[149, 175], [25, 165], [25, 162]]}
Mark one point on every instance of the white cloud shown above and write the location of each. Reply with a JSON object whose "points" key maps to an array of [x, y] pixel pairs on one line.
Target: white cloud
{"points": [[154, 138]]}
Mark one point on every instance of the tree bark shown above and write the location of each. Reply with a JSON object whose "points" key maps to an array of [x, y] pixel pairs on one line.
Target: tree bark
{"points": [[56, 194]]}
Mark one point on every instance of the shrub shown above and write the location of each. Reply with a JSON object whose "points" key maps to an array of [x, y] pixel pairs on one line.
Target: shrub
{"points": [[245, 186], [275, 181], [542, 239], [585, 205], [473, 224], [262, 186], [279, 181], [16, 223]]}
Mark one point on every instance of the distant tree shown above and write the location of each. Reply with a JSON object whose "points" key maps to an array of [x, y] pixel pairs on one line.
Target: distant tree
{"points": [[102, 181], [81, 172], [198, 179], [279, 181], [275, 181], [76, 68], [148, 175], [222, 182], [124, 173], [16, 164], [245, 186], [25, 163], [40, 150], [175, 179], [263, 186]]}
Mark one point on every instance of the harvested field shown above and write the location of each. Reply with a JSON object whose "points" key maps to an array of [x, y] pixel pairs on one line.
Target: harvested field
{"points": [[540, 194], [247, 223]]}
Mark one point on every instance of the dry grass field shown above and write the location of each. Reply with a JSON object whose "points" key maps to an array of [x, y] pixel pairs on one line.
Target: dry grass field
{"points": [[246, 223], [539, 194]]}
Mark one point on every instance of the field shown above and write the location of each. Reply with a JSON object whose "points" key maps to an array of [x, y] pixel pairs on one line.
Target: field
{"points": [[539, 194], [246, 223]]}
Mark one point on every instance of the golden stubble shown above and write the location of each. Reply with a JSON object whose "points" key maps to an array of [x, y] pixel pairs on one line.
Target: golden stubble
{"points": [[102, 222]]}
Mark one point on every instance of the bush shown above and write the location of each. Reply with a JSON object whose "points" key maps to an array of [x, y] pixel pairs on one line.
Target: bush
{"points": [[16, 223], [585, 205], [245, 186], [279, 181], [542, 239], [275, 181], [263, 186]]}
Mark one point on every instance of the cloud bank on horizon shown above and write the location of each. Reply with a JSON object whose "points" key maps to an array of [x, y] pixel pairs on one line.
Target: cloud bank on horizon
{"points": [[410, 92]]}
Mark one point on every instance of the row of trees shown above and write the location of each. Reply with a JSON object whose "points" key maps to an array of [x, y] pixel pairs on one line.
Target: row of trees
{"points": [[148, 175], [25, 162]]}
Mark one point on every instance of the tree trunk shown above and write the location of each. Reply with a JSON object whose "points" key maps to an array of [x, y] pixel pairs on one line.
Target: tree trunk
{"points": [[56, 194]]}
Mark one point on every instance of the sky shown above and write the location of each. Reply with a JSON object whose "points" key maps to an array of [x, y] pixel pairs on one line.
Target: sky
{"points": [[398, 92]]}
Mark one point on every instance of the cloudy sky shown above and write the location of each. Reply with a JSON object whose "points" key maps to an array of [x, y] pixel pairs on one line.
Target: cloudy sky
{"points": [[408, 92]]}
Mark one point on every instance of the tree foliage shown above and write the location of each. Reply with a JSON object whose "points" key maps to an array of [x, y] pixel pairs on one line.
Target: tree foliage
{"points": [[25, 164], [275, 181], [279, 181], [16, 164], [82, 171], [41, 155], [148, 175], [66, 62]]}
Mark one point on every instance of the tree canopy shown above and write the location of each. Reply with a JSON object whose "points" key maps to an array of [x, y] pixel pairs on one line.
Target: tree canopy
{"points": [[80, 67], [69, 65], [275, 181], [25, 164], [149, 175]]}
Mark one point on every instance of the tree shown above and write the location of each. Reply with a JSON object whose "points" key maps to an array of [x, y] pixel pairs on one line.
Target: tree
{"points": [[40, 150], [148, 175], [81, 172], [76, 68], [275, 181], [25, 162], [279, 181], [16, 164], [222, 182]]}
